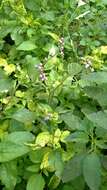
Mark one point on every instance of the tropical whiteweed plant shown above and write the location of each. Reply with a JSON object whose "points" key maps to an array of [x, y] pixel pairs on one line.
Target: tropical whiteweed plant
{"points": [[53, 95]]}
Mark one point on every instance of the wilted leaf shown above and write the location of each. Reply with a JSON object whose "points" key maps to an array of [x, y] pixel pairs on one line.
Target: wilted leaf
{"points": [[43, 139]]}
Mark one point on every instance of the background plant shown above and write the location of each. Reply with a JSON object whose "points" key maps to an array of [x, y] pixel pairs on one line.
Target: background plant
{"points": [[53, 94]]}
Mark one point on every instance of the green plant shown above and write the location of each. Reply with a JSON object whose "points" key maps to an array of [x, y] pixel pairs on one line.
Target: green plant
{"points": [[53, 95]]}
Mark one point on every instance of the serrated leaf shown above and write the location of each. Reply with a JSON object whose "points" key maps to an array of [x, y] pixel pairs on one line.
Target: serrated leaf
{"points": [[36, 182], [92, 171], [26, 46]]}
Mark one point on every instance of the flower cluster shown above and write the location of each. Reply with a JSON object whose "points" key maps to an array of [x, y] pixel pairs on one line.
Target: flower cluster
{"points": [[61, 46], [41, 70]]}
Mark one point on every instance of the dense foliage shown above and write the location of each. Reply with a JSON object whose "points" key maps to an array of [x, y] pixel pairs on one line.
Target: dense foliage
{"points": [[53, 94]]}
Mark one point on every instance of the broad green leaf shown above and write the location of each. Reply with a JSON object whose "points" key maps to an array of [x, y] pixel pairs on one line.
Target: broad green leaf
{"points": [[33, 168], [73, 169], [20, 137], [98, 118], [23, 115], [78, 183], [26, 46], [98, 93], [5, 85], [79, 137], [55, 162], [93, 78], [36, 156], [92, 171], [10, 151], [36, 182], [71, 120], [8, 175]]}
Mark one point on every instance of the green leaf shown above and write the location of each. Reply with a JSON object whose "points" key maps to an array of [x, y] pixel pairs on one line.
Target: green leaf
{"points": [[92, 171], [36, 182], [26, 46], [10, 151], [54, 36], [23, 115], [74, 69], [31, 62], [33, 168], [37, 155], [54, 182], [98, 118], [98, 93], [79, 137], [8, 175], [5, 85], [71, 120], [20, 137], [93, 78], [73, 169], [55, 162]]}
